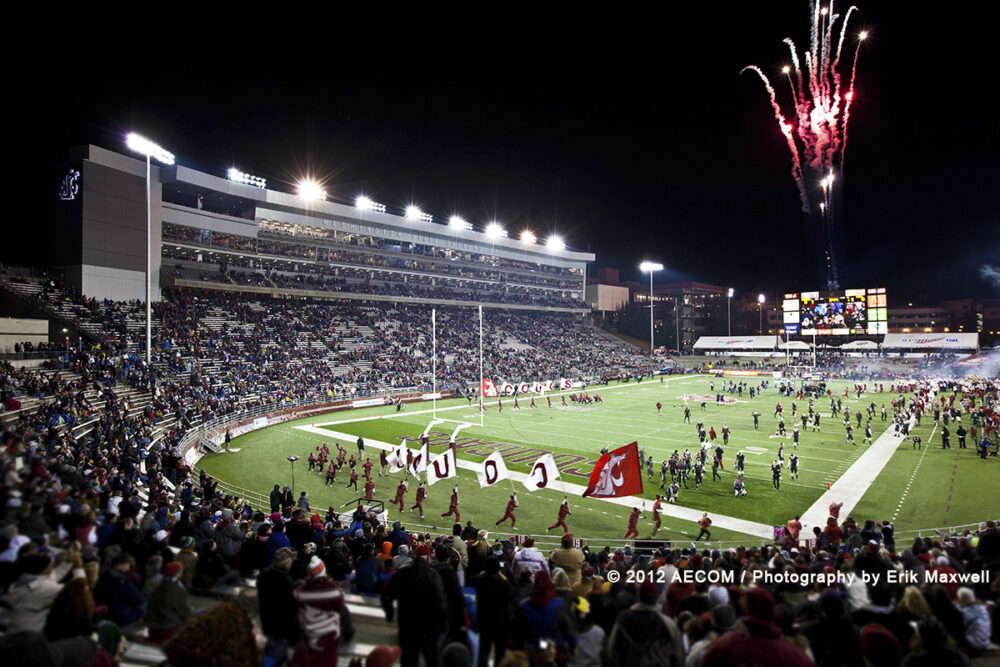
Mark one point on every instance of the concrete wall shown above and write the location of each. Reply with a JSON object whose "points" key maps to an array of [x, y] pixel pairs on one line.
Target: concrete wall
{"points": [[19, 330]]}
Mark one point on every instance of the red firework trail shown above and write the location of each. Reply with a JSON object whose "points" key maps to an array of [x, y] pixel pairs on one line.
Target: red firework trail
{"points": [[820, 108]]}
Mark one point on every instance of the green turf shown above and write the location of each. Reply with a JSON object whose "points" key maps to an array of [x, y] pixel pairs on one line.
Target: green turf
{"points": [[628, 413]]}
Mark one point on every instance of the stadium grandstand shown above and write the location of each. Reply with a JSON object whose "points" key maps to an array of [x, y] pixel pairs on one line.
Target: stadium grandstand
{"points": [[119, 546]]}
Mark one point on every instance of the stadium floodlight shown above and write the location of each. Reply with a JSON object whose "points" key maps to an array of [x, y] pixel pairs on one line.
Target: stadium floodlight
{"points": [[144, 146], [247, 179], [495, 231], [651, 267], [310, 190], [528, 236], [414, 213], [363, 203], [760, 313], [457, 222], [555, 243], [729, 312]]}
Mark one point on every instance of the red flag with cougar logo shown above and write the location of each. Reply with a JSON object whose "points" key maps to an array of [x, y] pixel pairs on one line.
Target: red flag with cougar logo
{"points": [[617, 473]]}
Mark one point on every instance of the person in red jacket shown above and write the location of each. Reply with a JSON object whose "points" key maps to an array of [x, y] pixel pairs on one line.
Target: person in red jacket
{"points": [[509, 512], [369, 489], [761, 643], [835, 509], [367, 467], [354, 480], [633, 524], [383, 459], [561, 520], [419, 504], [400, 490], [453, 506], [794, 528], [656, 514], [834, 532], [321, 602]]}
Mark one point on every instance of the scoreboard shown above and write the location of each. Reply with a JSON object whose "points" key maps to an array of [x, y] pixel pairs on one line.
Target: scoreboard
{"points": [[853, 311]]}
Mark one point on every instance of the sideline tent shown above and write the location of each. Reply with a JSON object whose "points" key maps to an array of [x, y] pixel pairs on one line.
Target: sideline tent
{"points": [[733, 343], [948, 341], [860, 345], [795, 345]]}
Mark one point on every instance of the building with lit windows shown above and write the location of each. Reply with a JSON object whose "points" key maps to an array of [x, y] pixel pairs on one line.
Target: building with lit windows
{"points": [[231, 232]]}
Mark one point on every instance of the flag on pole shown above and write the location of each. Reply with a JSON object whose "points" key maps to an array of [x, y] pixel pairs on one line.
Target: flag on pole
{"points": [[494, 470], [397, 458], [444, 466], [543, 473], [419, 462], [487, 388], [617, 473]]}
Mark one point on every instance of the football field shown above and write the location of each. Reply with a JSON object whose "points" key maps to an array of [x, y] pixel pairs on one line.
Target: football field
{"points": [[916, 489]]}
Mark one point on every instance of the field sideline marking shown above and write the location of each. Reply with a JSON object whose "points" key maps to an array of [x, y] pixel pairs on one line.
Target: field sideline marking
{"points": [[851, 487]]}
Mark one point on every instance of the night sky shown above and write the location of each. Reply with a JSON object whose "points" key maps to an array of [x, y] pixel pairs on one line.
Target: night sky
{"points": [[633, 136]]}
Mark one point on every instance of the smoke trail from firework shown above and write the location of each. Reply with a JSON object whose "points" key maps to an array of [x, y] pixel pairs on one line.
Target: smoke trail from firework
{"points": [[990, 273], [819, 139]]}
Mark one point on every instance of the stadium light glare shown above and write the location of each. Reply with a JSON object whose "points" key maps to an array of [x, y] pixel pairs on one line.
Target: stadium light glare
{"points": [[555, 243], [144, 146], [363, 203], [863, 36], [729, 312], [310, 190], [238, 176], [650, 266], [414, 213], [457, 222], [528, 236], [760, 298], [495, 231]]}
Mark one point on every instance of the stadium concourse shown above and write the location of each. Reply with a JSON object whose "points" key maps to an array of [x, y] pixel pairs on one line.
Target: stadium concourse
{"points": [[111, 549]]}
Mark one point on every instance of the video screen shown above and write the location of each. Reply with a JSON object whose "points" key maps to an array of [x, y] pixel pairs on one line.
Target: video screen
{"points": [[834, 315]]}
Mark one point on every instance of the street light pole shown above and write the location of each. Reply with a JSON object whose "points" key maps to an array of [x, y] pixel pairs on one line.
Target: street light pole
{"points": [[760, 313], [651, 267], [292, 460], [146, 147]]}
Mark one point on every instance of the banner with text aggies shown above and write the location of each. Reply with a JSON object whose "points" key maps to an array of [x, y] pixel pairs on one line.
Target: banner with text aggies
{"points": [[543, 473], [617, 473], [444, 466], [494, 470]]}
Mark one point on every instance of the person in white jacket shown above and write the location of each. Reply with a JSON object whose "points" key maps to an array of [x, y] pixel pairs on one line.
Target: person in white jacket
{"points": [[30, 597], [530, 558]]}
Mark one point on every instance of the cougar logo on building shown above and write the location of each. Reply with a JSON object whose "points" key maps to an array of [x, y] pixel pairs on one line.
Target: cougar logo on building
{"points": [[70, 186]]}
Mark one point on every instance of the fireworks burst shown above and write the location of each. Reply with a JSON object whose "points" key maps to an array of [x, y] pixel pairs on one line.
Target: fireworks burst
{"points": [[817, 134]]}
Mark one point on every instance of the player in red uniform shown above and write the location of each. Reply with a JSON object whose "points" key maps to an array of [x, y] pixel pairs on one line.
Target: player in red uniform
{"points": [[331, 474], [633, 524], [509, 512], [369, 489], [421, 494], [656, 514], [659, 408], [499, 405], [354, 480], [453, 506], [563, 513], [564, 401], [516, 406], [549, 399], [400, 490], [383, 459], [367, 467]]}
